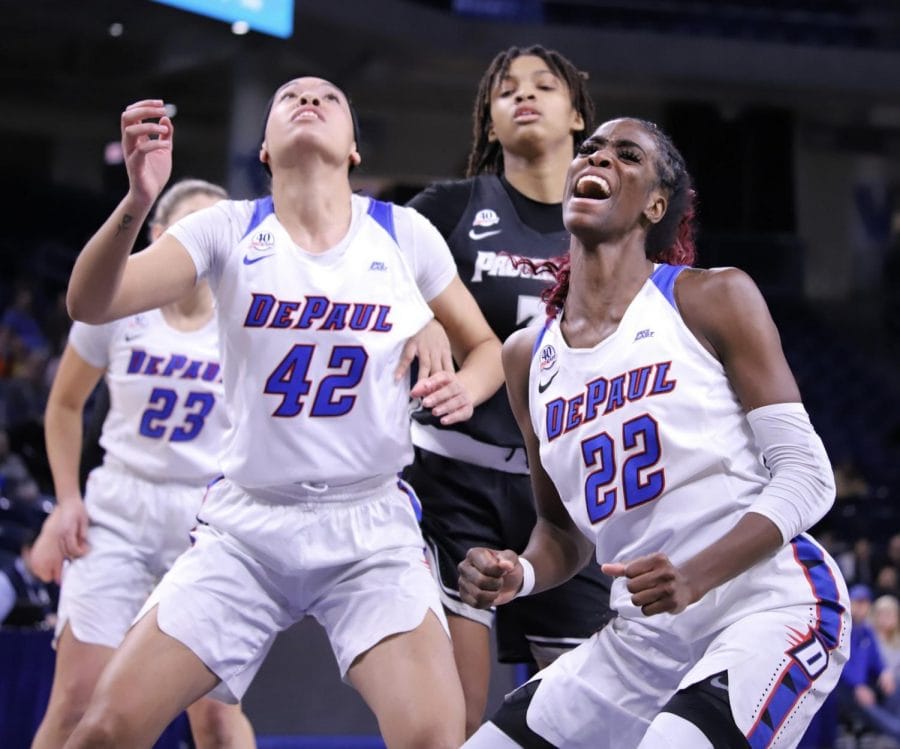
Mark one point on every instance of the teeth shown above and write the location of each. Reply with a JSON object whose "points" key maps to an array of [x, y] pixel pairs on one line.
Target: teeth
{"points": [[592, 185]]}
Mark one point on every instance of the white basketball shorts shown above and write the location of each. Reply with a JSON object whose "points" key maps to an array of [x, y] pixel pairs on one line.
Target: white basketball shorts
{"points": [[137, 530], [354, 561]]}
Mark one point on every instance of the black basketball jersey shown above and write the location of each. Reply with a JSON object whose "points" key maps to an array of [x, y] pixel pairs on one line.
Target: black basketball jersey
{"points": [[495, 220]]}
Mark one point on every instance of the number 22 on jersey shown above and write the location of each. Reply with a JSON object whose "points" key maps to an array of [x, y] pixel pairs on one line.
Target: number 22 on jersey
{"points": [[642, 450]]}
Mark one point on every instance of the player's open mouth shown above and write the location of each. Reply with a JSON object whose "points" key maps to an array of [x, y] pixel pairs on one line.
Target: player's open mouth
{"points": [[593, 187]]}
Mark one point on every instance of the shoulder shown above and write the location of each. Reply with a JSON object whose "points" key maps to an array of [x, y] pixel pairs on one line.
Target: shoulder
{"points": [[443, 203], [518, 347], [724, 284], [726, 311], [711, 298], [451, 189]]}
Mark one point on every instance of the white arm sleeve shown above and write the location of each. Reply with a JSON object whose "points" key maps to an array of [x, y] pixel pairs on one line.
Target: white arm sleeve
{"points": [[802, 487]]}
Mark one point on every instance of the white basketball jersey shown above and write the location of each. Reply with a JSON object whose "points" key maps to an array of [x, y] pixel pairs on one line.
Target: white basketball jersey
{"points": [[310, 341], [166, 420], [642, 434]]}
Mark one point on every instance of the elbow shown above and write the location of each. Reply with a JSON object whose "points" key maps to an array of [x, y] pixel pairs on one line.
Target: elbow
{"points": [[829, 489], [827, 492], [80, 309]]}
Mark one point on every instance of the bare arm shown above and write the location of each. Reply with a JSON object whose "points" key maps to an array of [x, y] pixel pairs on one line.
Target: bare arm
{"points": [[726, 312], [64, 533], [474, 345], [556, 549], [107, 283]]}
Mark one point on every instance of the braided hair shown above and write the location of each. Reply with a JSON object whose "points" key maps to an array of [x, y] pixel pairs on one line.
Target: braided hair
{"points": [[486, 157]]}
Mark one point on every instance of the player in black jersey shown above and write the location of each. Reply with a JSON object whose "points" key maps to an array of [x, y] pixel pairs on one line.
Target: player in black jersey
{"points": [[531, 111]]}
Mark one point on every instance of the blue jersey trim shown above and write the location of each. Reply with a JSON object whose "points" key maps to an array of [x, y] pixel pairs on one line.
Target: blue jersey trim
{"points": [[411, 496], [540, 337], [383, 213], [664, 278], [261, 208], [794, 681]]}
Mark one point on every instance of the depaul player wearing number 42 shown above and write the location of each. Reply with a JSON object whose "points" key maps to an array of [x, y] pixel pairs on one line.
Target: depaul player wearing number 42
{"points": [[317, 292]]}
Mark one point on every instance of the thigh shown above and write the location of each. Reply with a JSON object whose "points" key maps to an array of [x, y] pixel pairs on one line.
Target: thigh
{"points": [[150, 679], [464, 506], [409, 681], [778, 672], [223, 605], [604, 693], [77, 670], [388, 593], [706, 705]]}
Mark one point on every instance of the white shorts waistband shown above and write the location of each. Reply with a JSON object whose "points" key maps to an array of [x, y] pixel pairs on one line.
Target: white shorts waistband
{"points": [[459, 446], [313, 491]]}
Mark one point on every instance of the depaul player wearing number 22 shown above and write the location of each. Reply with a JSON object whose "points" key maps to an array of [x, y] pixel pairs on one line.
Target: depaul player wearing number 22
{"points": [[665, 434]]}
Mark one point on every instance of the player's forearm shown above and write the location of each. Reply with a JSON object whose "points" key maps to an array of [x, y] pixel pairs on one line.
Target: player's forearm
{"points": [[556, 554], [481, 373], [98, 269], [63, 437], [750, 541]]}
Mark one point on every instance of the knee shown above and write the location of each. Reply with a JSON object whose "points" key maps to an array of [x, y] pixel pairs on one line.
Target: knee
{"points": [[215, 725], [67, 707], [99, 729], [434, 739], [421, 735]]}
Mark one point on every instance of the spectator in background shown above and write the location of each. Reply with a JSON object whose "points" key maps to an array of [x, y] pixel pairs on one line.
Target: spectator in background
{"points": [[885, 617], [857, 563], [849, 483], [866, 678], [25, 392], [20, 321], [886, 583], [16, 482], [891, 553]]}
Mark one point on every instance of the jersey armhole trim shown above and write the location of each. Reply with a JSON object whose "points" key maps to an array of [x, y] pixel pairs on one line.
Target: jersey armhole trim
{"points": [[384, 216], [261, 208], [664, 278]]}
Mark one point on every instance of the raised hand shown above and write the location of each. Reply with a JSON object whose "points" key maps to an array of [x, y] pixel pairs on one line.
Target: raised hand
{"points": [[147, 147]]}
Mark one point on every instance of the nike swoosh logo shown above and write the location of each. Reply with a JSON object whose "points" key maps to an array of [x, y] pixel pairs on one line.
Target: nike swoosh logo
{"points": [[718, 682], [542, 386], [251, 260], [481, 235]]}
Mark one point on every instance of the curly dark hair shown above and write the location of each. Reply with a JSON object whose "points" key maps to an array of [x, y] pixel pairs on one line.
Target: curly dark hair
{"points": [[669, 241], [487, 157]]}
